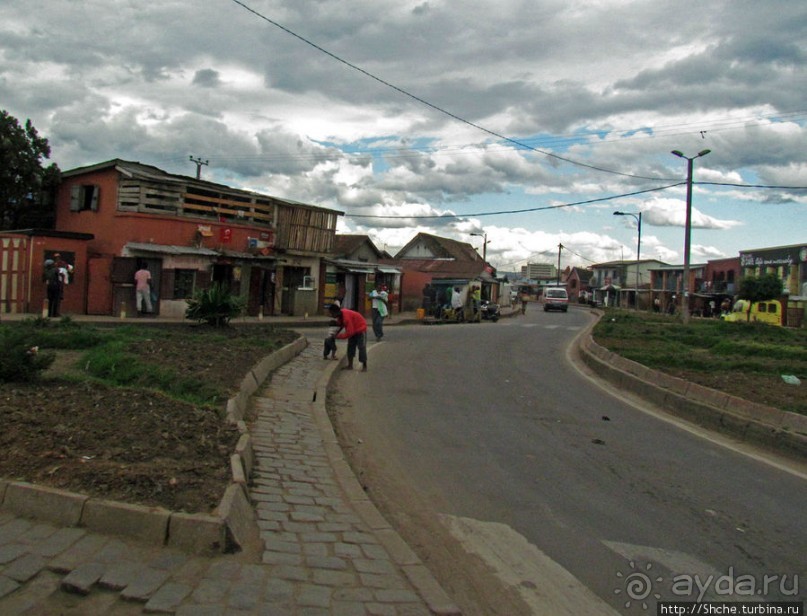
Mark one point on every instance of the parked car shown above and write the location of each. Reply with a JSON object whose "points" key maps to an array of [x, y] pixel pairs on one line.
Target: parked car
{"points": [[769, 311], [556, 298]]}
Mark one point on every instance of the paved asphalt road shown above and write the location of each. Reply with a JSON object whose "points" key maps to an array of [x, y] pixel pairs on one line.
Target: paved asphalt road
{"points": [[574, 498]]}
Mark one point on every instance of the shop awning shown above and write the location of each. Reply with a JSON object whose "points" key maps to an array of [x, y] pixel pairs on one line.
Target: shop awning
{"points": [[170, 250], [246, 256], [354, 267], [165, 249]]}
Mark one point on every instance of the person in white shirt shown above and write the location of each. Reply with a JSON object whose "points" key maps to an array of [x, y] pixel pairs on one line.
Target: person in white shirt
{"points": [[379, 297]]}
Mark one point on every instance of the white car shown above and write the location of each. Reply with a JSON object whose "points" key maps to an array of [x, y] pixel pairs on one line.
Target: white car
{"points": [[556, 298]]}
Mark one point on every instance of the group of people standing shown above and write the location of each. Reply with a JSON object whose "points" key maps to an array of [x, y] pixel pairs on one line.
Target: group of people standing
{"points": [[350, 325], [436, 301]]}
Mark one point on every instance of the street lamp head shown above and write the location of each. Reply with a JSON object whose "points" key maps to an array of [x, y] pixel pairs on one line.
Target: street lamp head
{"points": [[619, 213], [680, 154]]}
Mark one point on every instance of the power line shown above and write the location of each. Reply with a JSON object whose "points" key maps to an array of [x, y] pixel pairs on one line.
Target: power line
{"points": [[578, 255], [533, 209], [450, 114], [751, 185], [411, 151]]}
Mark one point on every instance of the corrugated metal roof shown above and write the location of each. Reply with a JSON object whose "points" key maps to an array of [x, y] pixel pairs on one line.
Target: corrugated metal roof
{"points": [[247, 256], [170, 250]]}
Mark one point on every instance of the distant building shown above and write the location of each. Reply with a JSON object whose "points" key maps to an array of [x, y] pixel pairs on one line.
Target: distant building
{"points": [[354, 270], [667, 286], [435, 265], [577, 281], [614, 283], [789, 263], [539, 271]]}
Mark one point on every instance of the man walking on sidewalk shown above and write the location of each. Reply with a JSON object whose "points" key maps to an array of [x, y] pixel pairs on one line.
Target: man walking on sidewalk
{"points": [[354, 330], [380, 310]]}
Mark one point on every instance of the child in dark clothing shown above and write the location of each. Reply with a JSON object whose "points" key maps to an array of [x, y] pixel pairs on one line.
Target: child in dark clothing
{"points": [[330, 340]]}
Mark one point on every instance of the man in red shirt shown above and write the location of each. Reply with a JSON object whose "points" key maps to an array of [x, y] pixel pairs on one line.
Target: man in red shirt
{"points": [[354, 330]]}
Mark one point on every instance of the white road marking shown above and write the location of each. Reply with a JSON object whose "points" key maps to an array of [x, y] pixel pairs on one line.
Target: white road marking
{"points": [[545, 586], [679, 563]]}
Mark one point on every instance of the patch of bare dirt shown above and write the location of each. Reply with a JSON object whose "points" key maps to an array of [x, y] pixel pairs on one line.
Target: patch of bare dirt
{"points": [[132, 445]]}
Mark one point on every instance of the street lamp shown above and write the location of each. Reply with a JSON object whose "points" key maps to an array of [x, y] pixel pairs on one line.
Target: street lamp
{"points": [[688, 229], [638, 218], [484, 237]]}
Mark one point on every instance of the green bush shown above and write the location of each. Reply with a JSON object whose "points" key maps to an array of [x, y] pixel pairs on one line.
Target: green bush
{"points": [[214, 306], [20, 358]]}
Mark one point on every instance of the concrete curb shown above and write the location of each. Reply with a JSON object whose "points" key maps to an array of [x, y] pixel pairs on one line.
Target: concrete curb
{"points": [[229, 527], [769, 427], [401, 554]]}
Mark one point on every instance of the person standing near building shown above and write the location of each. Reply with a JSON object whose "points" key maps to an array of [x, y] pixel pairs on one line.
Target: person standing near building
{"points": [[354, 330], [476, 299], [457, 304], [143, 289], [65, 271], [53, 287], [380, 310]]}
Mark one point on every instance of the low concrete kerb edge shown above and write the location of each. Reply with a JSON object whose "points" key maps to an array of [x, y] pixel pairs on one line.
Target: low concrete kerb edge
{"points": [[751, 422]]}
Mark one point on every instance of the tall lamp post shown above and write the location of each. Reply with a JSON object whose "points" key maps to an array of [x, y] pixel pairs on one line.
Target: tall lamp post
{"points": [[688, 229], [638, 218], [484, 237]]}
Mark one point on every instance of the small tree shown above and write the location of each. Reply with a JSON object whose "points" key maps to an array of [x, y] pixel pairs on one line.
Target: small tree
{"points": [[26, 187], [214, 306], [759, 289]]}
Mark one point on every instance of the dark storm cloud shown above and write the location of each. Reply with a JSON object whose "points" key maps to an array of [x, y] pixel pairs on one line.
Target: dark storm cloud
{"points": [[207, 78]]}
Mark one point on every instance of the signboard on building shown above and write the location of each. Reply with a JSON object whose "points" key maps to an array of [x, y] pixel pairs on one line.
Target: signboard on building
{"points": [[773, 257]]}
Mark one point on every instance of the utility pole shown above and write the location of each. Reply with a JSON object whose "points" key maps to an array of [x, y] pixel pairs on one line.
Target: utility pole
{"points": [[560, 247], [638, 218], [199, 162], [687, 230], [484, 237]]}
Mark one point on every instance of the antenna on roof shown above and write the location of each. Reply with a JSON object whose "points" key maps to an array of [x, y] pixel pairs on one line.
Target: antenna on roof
{"points": [[199, 162]]}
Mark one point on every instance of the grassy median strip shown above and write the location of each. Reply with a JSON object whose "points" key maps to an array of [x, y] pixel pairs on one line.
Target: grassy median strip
{"points": [[744, 359]]}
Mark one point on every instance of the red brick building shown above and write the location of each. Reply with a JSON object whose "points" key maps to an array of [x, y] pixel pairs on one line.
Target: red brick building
{"points": [[188, 232]]}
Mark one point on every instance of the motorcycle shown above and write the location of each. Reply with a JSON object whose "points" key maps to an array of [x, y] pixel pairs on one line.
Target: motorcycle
{"points": [[451, 315], [489, 310]]}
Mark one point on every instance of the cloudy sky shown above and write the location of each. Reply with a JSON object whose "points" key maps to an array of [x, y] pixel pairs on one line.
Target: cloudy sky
{"points": [[532, 121]]}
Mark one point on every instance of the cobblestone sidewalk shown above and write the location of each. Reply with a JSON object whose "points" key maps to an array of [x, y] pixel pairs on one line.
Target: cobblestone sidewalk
{"points": [[324, 548]]}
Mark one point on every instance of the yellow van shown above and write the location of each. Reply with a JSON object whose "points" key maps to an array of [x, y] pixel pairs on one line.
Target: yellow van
{"points": [[769, 311]]}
